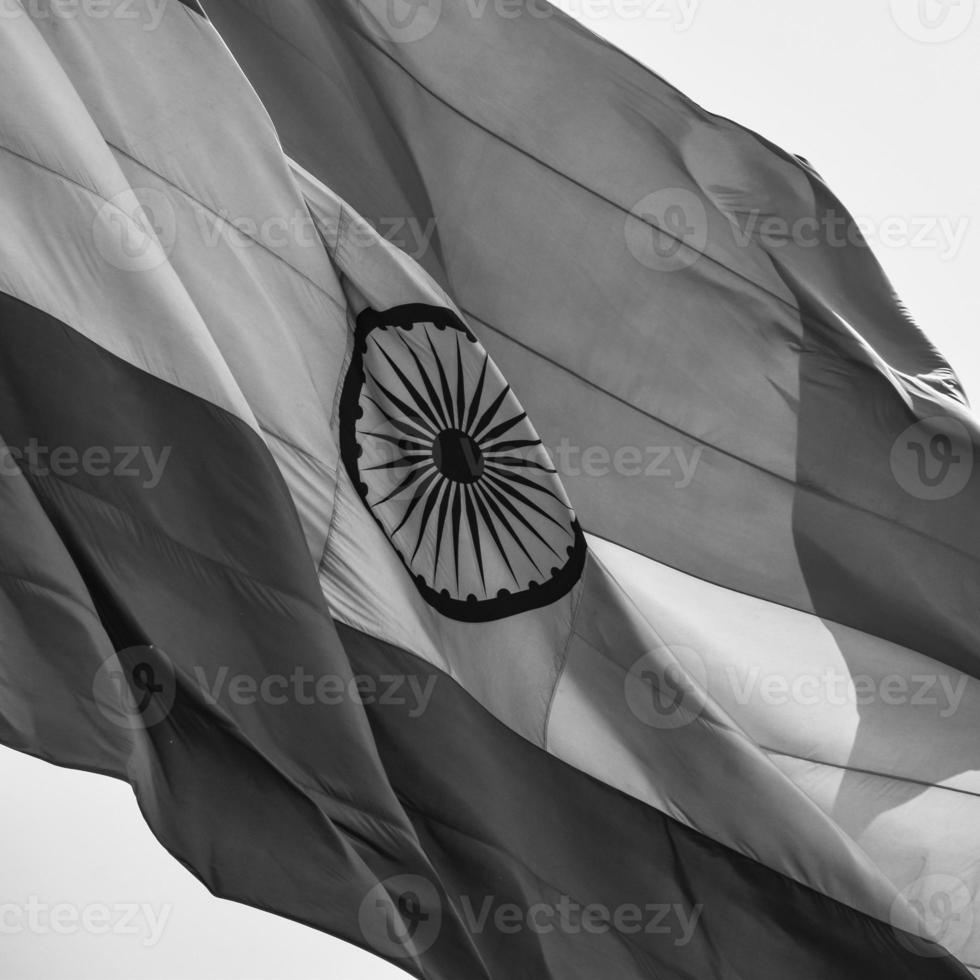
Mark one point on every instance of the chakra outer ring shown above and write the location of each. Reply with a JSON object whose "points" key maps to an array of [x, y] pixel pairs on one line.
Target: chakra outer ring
{"points": [[468, 608]]}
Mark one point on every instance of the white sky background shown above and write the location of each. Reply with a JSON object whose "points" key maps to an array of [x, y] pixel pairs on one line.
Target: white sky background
{"points": [[889, 120]]}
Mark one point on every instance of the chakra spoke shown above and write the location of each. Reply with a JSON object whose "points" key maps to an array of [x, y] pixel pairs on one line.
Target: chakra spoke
{"points": [[504, 502], [460, 386], [477, 396], [523, 481], [397, 464], [441, 524], [402, 407], [420, 492], [471, 519], [485, 505], [443, 382], [519, 462], [456, 517], [516, 494], [499, 430], [430, 390], [502, 447], [424, 407], [404, 485], [488, 416], [434, 495], [400, 442], [401, 426]]}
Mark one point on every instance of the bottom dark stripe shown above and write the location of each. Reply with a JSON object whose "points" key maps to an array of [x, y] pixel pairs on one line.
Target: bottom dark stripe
{"points": [[513, 825], [414, 823]]}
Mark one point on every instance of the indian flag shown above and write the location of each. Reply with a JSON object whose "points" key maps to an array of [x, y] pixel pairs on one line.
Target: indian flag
{"points": [[589, 592]]}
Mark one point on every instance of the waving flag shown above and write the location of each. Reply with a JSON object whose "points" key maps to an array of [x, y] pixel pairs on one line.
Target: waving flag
{"points": [[774, 462], [294, 550]]}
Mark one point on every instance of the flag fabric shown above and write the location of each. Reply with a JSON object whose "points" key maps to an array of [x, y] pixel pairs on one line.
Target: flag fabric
{"points": [[290, 546], [695, 294]]}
